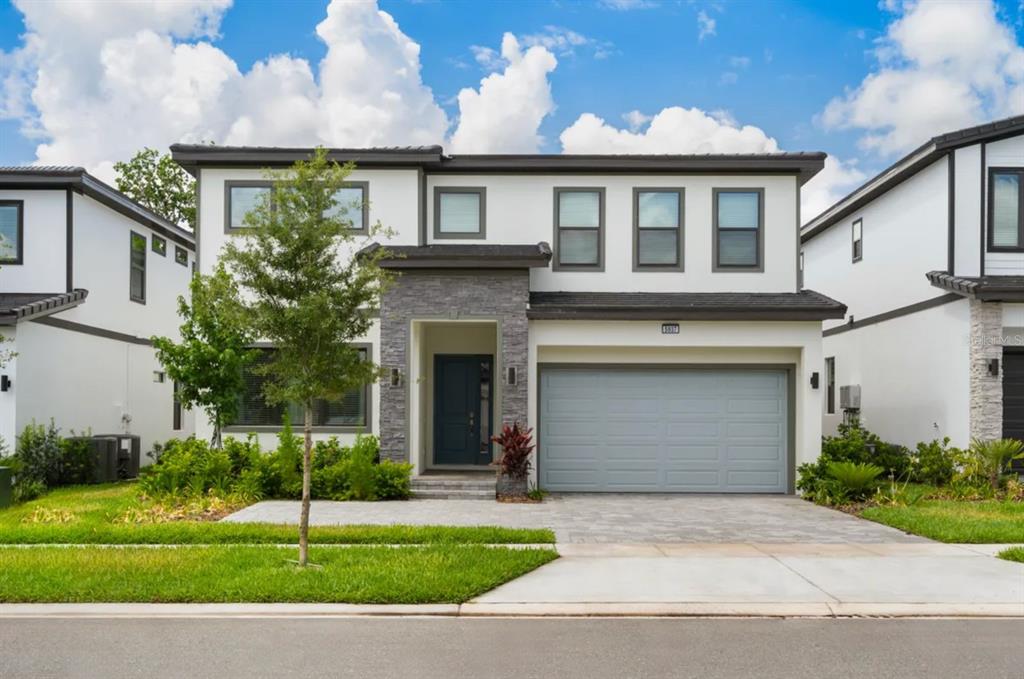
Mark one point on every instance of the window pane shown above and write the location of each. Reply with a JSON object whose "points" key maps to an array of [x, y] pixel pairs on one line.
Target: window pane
{"points": [[138, 283], [1005, 209], [459, 213], [738, 210], [180, 255], [658, 246], [349, 206], [579, 208], [577, 247], [856, 229], [658, 210], [737, 248], [244, 199], [350, 411], [9, 231], [159, 245]]}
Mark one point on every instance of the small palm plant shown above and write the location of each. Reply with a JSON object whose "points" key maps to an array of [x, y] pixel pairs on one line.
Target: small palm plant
{"points": [[856, 480], [995, 455]]}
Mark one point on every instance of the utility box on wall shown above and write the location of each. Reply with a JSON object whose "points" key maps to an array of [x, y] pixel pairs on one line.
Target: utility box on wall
{"points": [[849, 397]]}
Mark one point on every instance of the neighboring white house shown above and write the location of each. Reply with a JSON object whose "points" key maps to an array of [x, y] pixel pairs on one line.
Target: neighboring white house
{"points": [[659, 343], [87, 276], [929, 258]]}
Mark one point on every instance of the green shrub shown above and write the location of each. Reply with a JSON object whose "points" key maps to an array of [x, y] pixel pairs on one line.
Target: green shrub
{"points": [[44, 459], [187, 467], [854, 444], [393, 480], [985, 462], [855, 480], [362, 477], [934, 462]]}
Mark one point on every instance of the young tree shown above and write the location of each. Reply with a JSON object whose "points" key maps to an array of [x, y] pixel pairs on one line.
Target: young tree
{"points": [[307, 293], [214, 349], [157, 182]]}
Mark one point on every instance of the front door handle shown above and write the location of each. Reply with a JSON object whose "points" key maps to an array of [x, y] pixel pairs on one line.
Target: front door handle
{"points": [[472, 419]]}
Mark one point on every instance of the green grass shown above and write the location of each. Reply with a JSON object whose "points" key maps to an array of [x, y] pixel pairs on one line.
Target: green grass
{"points": [[95, 509], [987, 521], [1012, 554], [383, 575]]}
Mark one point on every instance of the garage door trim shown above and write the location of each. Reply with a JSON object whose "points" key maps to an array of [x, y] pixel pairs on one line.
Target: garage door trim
{"points": [[788, 368]]}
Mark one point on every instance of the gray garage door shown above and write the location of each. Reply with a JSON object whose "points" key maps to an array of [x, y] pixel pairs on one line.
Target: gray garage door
{"points": [[663, 430]]}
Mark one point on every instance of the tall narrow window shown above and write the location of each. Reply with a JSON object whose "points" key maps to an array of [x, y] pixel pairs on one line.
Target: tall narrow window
{"points": [[658, 232], [857, 238], [738, 217], [12, 231], [177, 414], [137, 276], [830, 385], [180, 255], [800, 271], [240, 198], [579, 229], [460, 212], [1006, 210], [353, 205]]}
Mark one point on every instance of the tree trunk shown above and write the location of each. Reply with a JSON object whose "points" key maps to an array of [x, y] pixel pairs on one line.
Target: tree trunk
{"points": [[307, 454], [215, 441]]}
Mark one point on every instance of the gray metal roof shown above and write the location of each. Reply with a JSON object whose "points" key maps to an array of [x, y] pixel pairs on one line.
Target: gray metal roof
{"points": [[463, 256], [690, 306], [23, 306], [985, 288]]}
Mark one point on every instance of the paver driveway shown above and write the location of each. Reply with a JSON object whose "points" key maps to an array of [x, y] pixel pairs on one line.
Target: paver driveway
{"points": [[611, 518]]}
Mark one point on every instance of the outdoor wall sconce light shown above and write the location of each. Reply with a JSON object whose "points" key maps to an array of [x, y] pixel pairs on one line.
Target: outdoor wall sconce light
{"points": [[993, 367], [510, 375], [396, 377], [814, 380], [5, 383]]}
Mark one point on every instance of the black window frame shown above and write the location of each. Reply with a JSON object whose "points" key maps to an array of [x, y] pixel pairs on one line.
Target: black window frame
{"points": [[240, 184], [180, 255], [162, 249], [556, 263], [800, 270], [480, 192], [367, 397], [19, 258], [133, 265], [830, 385], [679, 264], [365, 205], [990, 228], [857, 243], [758, 266]]}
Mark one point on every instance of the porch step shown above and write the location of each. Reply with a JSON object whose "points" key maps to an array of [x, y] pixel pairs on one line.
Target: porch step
{"points": [[450, 486]]}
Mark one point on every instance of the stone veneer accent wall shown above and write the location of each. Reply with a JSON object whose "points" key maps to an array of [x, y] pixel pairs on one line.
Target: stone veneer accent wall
{"points": [[986, 390], [501, 294]]}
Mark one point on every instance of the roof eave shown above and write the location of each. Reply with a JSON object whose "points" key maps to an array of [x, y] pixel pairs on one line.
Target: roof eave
{"points": [[670, 314]]}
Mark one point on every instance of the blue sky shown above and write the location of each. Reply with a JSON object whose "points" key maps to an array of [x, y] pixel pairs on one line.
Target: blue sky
{"points": [[773, 65]]}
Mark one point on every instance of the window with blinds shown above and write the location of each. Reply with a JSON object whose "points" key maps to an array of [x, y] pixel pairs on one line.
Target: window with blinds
{"points": [[738, 215], [657, 224], [579, 227], [1006, 210], [459, 212]]}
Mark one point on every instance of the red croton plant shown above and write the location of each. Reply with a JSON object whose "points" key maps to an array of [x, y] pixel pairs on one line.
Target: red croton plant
{"points": [[516, 446]]}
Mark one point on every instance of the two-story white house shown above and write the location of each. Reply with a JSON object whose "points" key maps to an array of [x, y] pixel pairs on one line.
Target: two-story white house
{"points": [[641, 313], [87, 276], [929, 258]]}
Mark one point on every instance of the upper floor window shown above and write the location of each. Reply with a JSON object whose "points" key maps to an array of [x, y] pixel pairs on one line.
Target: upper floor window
{"points": [[738, 223], [12, 231], [352, 204], [830, 385], [1006, 210], [460, 212], [579, 229], [658, 229], [180, 255], [159, 245], [800, 271], [857, 239], [137, 276], [240, 198]]}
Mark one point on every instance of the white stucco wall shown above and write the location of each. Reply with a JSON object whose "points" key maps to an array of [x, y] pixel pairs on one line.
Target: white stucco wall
{"points": [[967, 209], [45, 220], [8, 399]]}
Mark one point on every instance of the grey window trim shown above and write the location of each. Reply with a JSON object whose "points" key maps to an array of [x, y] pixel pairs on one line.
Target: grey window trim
{"points": [[178, 258], [830, 385], [132, 235], [480, 191], [365, 428], [727, 268], [365, 186], [153, 240], [19, 258], [992, 172], [239, 183], [854, 241], [555, 263], [680, 230]]}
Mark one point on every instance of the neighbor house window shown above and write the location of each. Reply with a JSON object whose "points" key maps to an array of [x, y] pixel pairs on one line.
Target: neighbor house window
{"points": [[1006, 209], [857, 238], [658, 229], [579, 228], [830, 385], [137, 275], [159, 245], [180, 255], [353, 205], [177, 411], [12, 231], [460, 212], [738, 221], [800, 271], [240, 198], [253, 411]]}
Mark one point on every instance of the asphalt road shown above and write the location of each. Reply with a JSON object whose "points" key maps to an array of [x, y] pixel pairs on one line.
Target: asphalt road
{"points": [[520, 648]]}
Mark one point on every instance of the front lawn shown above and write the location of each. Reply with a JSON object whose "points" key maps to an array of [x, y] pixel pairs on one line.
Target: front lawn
{"points": [[190, 574], [984, 521], [113, 514], [1012, 554]]}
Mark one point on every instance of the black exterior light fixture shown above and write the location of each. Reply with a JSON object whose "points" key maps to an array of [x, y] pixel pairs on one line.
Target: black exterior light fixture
{"points": [[5, 383], [815, 379], [993, 367]]}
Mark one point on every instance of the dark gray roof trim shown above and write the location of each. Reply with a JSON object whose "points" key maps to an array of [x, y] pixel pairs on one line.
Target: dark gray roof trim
{"points": [[983, 288], [49, 177], [806, 305], [906, 167], [16, 307], [432, 159], [464, 256]]}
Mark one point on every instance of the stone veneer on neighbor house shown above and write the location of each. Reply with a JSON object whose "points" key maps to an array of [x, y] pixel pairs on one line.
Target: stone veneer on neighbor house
{"points": [[433, 294], [986, 401]]}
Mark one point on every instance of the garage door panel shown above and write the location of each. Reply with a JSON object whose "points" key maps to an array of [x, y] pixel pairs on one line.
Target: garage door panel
{"points": [[722, 430]]}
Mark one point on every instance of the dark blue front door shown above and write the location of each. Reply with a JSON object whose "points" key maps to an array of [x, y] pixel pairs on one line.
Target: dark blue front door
{"points": [[462, 410]]}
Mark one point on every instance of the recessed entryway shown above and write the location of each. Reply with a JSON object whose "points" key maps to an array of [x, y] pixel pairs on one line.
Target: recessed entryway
{"points": [[463, 409]]}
